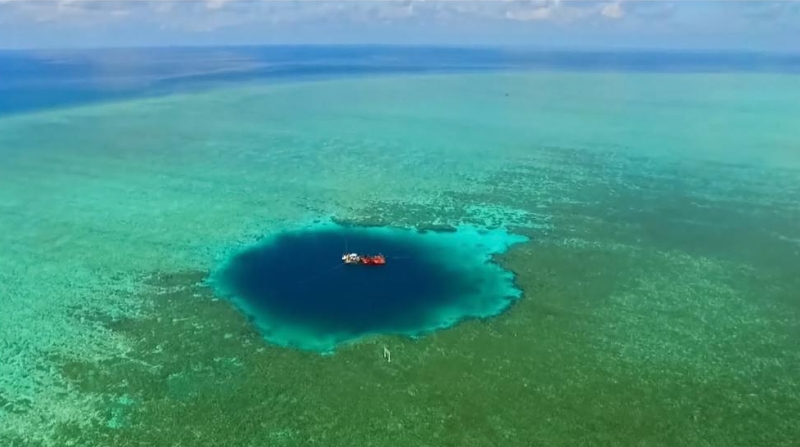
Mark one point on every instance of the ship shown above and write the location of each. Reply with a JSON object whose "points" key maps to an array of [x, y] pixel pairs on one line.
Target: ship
{"points": [[356, 259]]}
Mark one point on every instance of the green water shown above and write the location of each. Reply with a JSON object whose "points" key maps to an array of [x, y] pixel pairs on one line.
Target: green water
{"points": [[660, 282]]}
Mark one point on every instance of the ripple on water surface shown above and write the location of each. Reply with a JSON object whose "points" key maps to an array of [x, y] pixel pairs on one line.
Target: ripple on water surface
{"points": [[299, 293]]}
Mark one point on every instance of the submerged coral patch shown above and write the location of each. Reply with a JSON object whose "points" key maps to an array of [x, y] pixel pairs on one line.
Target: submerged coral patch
{"points": [[300, 293]]}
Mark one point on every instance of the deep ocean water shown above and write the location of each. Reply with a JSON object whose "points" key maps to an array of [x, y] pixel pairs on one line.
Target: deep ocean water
{"points": [[298, 291]]}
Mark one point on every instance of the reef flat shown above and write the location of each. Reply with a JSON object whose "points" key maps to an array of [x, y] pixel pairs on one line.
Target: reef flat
{"points": [[658, 279]]}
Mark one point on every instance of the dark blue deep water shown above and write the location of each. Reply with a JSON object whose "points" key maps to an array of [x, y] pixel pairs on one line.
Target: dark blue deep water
{"points": [[35, 80], [299, 278], [299, 293]]}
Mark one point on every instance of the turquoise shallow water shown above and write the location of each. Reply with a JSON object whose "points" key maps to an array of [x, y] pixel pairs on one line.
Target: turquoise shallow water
{"points": [[661, 212]]}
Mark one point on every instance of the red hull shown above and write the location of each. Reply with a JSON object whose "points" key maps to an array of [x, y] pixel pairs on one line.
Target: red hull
{"points": [[373, 260]]}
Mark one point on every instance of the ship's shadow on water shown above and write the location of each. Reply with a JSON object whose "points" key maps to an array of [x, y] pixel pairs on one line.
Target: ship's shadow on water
{"points": [[299, 292]]}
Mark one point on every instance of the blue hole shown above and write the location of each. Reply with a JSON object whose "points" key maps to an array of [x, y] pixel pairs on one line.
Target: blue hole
{"points": [[300, 293]]}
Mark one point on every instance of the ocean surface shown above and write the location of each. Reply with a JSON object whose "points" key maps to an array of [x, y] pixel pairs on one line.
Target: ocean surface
{"points": [[32, 80], [654, 198]]}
